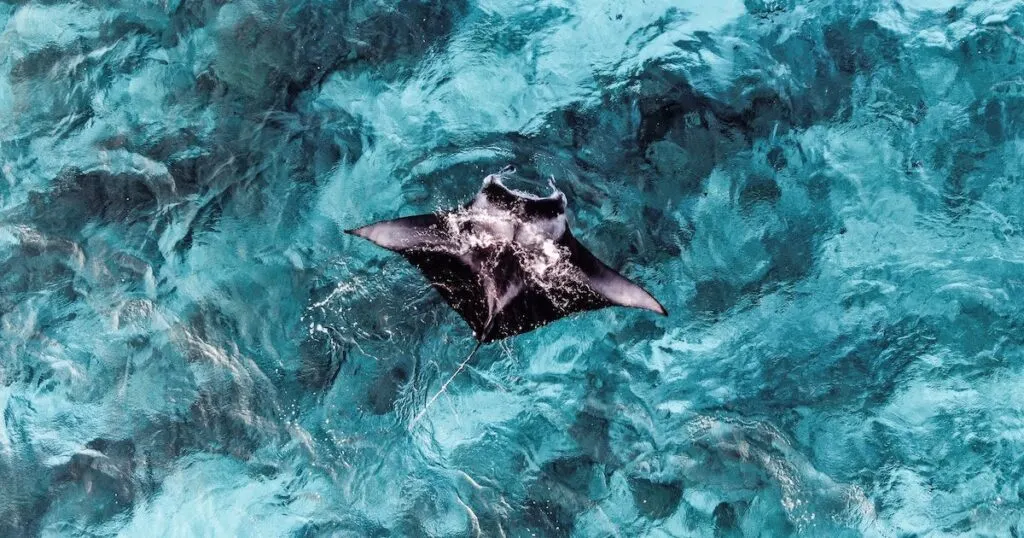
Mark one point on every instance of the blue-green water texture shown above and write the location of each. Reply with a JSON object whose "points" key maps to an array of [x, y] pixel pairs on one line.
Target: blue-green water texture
{"points": [[827, 196]]}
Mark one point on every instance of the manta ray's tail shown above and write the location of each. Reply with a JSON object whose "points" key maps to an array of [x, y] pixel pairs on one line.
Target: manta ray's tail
{"points": [[444, 386]]}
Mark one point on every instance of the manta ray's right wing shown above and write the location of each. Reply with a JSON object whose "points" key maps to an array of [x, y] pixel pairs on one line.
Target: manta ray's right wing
{"points": [[604, 280]]}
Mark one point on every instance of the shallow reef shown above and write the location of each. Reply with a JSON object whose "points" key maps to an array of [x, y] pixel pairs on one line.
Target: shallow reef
{"points": [[828, 197]]}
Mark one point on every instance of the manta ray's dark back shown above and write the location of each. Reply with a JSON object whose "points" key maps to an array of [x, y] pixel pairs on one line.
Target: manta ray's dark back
{"points": [[507, 261]]}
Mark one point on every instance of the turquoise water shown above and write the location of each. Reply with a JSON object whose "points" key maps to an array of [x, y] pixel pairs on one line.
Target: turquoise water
{"points": [[827, 196]]}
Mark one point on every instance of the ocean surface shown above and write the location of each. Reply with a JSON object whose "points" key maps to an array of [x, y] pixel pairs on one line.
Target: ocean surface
{"points": [[828, 197]]}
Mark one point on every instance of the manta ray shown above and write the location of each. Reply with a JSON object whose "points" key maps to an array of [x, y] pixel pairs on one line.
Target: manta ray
{"points": [[507, 261]]}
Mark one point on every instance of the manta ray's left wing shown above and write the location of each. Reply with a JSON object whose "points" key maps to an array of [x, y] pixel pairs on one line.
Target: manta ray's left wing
{"points": [[615, 288], [401, 235], [424, 242]]}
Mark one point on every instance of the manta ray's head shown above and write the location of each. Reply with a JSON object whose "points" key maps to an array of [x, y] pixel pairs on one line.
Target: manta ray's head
{"points": [[495, 194], [500, 214]]}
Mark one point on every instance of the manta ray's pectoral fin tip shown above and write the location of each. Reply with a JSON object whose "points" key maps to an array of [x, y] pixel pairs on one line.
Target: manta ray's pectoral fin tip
{"points": [[620, 291], [629, 294], [404, 233], [643, 300], [609, 284], [647, 301], [370, 232]]}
